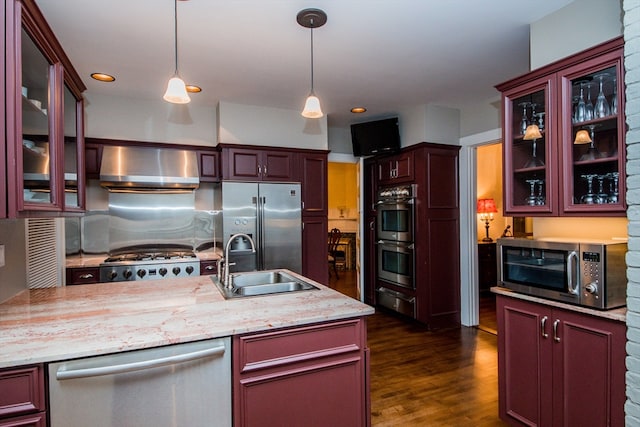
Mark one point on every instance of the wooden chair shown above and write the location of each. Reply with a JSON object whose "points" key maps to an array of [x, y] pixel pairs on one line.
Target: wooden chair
{"points": [[335, 255]]}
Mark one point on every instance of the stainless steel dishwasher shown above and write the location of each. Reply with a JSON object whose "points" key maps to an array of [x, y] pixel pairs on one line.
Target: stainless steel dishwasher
{"points": [[177, 385]]}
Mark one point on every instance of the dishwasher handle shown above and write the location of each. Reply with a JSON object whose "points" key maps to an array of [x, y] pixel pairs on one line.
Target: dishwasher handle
{"points": [[64, 374]]}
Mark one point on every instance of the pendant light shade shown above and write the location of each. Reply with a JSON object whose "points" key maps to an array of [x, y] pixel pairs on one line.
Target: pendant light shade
{"points": [[312, 18], [176, 89], [312, 108]]}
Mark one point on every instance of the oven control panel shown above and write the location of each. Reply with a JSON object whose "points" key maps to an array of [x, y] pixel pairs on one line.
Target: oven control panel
{"points": [[150, 271]]}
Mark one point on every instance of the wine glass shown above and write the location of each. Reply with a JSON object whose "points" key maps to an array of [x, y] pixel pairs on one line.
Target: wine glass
{"points": [[523, 122], [588, 198], [588, 109], [540, 198], [601, 197], [541, 121], [592, 153], [602, 106], [614, 98], [613, 187], [581, 107], [532, 199]]}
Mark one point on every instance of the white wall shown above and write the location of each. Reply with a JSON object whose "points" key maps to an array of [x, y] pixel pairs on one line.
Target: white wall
{"points": [[429, 123], [149, 120], [248, 124], [577, 26]]}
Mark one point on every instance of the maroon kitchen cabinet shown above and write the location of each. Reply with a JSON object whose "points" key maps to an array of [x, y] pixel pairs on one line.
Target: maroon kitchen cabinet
{"points": [[92, 160], [208, 267], [22, 397], [258, 164], [209, 165], [44, 114], [313, 177], [559, 367], [306, 376], [433, 168], [82, 275], [315, 263], [575, 164], [396, 169]]}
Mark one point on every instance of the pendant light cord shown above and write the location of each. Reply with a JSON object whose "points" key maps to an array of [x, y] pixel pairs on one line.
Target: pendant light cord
{"points": [[175, 33], [312, 56]]}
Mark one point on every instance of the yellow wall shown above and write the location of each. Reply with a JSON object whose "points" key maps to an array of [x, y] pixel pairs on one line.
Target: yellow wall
{"points": [[343, 193], [489, 186]]}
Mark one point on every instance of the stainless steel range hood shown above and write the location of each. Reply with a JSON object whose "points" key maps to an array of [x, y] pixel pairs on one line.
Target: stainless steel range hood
{"points": [[142, 168]]}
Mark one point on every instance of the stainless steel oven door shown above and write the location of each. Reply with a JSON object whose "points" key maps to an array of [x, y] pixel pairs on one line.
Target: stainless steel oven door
{"points": [[396, 263], [395, 220]]}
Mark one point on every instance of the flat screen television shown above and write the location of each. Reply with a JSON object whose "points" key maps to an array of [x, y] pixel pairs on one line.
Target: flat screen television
{"points": [[377, 137]]}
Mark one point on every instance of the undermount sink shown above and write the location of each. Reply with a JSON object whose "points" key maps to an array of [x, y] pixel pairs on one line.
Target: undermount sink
{"points": [[261, 283]]}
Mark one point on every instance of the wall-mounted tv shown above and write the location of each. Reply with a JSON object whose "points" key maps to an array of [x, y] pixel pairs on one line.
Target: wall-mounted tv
{"points": [[377, 137]]}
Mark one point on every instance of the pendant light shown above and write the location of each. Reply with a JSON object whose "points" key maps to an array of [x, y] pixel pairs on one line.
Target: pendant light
{"points": [[312, 18], [176, 89]]}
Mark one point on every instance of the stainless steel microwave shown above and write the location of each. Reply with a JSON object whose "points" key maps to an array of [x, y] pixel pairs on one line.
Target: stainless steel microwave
{"points": [[590, 273]]}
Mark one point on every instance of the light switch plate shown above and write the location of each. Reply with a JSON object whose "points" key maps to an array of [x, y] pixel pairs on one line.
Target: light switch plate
{"points": [[1, 255]]}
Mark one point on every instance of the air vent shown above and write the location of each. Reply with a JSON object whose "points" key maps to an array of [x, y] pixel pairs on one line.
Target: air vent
{"points": [[42, 254]]}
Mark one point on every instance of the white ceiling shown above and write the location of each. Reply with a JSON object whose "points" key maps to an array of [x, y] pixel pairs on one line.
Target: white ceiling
{"points": [[381, 54]]}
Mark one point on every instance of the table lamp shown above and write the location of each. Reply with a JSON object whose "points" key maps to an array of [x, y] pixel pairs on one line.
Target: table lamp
{"points": [[486, 208]]}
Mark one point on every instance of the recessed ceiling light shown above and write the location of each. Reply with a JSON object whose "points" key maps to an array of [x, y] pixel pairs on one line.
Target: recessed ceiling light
{"points": [[194, 88], [358, 110], [102, 77]]}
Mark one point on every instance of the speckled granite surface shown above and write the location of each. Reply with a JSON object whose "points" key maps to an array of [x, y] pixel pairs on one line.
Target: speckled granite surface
{"points": [[46, 325], [619, 314]]}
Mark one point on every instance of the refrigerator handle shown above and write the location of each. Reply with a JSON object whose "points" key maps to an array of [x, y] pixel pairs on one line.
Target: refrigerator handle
{"points": [[260, 255]]}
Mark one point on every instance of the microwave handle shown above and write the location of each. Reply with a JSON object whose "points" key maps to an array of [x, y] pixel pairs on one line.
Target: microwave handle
{"points": [[572, 266]]}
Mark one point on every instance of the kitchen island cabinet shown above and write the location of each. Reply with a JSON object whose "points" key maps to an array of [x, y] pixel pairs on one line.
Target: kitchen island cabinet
{"points": [[311, 376], [22, 397], [56, 324], [559, 367]]}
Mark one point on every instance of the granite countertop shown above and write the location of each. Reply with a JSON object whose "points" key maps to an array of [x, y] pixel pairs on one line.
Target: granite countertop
{"points": [[619, 314], [45, 325]]}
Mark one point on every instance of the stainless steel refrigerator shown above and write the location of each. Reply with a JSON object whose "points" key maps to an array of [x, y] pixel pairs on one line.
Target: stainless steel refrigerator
{"points": [[271, 214]]}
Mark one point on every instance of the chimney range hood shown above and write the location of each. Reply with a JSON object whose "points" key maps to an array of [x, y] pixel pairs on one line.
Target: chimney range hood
{"points": [[142, 168]]}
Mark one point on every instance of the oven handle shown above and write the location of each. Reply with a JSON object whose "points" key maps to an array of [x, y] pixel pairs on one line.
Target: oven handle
{"points": [[396, 244], [408, 201], [571, 278]]}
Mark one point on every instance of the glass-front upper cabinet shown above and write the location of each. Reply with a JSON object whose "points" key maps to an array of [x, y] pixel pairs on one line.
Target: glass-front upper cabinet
{"points": [[37, 153], [563, 128], [74, 195], [593, 135], [529, 154], [44, 113]]}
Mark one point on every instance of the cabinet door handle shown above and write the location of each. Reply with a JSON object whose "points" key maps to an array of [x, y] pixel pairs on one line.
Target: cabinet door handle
{"points": [[210, 267], [556, 338], [86, 276], [259, 170], [372, 225], [265, 170], [543, 327]]}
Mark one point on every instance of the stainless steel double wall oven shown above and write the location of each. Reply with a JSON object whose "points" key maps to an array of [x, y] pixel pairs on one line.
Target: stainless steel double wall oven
{"points": [[396, 258]]}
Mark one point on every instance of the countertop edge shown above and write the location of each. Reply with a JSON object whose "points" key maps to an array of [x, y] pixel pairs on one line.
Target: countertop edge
{"points": [[617, 314]]}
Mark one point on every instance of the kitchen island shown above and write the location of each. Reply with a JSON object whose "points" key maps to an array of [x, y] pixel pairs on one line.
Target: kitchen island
{"points": [[44, 325], [297, 346]]}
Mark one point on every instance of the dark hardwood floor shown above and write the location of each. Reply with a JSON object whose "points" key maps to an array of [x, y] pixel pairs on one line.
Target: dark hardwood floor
{"points": [[428, 378]]}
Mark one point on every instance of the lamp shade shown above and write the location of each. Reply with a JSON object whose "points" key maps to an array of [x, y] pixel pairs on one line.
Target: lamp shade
{"points": [[486, 206], [532, 132], [176, 91], [312, 108], [582, 137]]}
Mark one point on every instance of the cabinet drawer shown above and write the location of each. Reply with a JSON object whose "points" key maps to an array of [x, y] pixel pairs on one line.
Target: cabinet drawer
{"points": [[273, 349], [21, 391], [82, 276], [208, 267]]}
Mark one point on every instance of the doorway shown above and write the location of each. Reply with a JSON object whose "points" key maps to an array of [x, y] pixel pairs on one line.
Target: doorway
{"points": [[490, 226], [343, 214]]}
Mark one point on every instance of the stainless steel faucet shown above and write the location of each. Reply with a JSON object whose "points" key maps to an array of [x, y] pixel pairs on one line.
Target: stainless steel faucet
{"points": [[225, 279]]}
